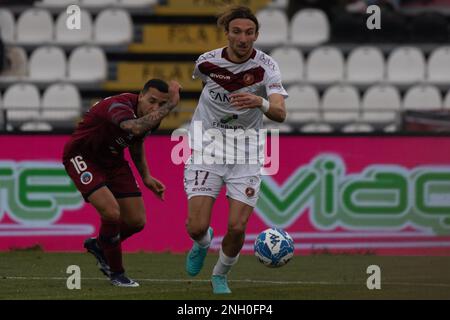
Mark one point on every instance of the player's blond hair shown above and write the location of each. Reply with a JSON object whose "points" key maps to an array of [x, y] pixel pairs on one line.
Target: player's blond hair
{"points": [[236, 12]]}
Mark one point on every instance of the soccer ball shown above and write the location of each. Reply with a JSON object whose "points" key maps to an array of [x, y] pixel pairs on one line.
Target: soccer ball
{"points": [[274, 247]]}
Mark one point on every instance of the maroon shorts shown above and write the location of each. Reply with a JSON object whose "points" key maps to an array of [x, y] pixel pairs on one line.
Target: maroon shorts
{"points": [[89, 176]]}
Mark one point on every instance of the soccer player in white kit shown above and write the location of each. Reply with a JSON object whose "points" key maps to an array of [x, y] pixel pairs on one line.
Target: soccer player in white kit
{"points": [[237, 80]]}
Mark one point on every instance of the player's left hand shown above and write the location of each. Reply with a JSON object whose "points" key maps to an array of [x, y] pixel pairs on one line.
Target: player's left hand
{"points": [[156, 186], [245, 100]]}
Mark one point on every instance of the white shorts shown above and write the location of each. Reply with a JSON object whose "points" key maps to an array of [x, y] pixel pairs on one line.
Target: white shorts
{"points": [[242, 181]]}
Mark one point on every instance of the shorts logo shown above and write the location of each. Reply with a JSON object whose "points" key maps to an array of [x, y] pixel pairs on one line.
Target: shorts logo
{"points": [[86, 177], [250, 192], [252, 181], [249, 79]]}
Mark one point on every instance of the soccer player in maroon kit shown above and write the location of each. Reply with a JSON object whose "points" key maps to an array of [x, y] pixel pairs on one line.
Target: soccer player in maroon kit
{"points": [[94, 160]]}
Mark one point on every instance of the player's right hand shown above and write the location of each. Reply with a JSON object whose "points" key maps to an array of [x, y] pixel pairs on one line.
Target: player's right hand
{"points": [[156, 186], [174, 92]]}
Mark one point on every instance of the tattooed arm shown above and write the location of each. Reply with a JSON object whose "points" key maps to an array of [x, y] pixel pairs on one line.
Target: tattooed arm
{"points": [[142, 125]]}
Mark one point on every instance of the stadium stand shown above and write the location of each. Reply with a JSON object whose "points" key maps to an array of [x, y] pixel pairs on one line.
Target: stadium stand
{"points": [[336, 71]]}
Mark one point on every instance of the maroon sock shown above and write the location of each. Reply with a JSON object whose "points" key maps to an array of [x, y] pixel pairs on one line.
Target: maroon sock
{"points": [[127, 231], [109, 241]]}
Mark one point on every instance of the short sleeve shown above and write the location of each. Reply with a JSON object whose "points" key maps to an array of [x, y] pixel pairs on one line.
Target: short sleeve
{"points": [[197, 74], [274, 83], [118, 112]]}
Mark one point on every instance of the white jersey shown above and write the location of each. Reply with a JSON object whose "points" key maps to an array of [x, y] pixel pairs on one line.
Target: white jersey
{"points": [[258, 75]]}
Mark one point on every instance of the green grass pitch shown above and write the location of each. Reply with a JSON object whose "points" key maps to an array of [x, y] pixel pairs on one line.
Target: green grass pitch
{"points": [[40, 275]]}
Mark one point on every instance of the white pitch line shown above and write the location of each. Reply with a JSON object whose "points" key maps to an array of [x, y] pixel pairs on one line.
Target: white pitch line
{"points": [[326, 283]]}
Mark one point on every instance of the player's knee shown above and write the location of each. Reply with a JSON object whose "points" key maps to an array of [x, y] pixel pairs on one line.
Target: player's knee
{"points": [[111, 214], [236, 229], [138, 225], [196, 232]]}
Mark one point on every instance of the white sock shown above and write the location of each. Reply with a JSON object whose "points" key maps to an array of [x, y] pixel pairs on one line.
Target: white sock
{"points": [[205, 241], [224, 264]]}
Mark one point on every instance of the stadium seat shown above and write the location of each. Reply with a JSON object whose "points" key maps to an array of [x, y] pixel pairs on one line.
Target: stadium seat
{"points": [[309, 27], [66, 36], [61, 102], [357, 127], [47, 63], [303, 104], [17, 65], [422, 97], [137, 3], [317, 128], [393, 127], [290, 62], [7, 26], [97, 3], [439, 65], [282, 127], [406, 65], [35, 27], [274, 28], [381, 103], [87, 64], [37, 125], [2, 118], [56, 3], [325, 65], [22, 96], [340, 103], [113, 27], [365, 65], [279, 4], [447, 100]]}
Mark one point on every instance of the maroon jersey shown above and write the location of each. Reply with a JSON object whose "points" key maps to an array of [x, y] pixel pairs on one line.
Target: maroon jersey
{"points": [[99, 137]]}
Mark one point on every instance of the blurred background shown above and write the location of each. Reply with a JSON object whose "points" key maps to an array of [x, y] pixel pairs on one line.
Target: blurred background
{"points": [[341, 76], [363, 166]]}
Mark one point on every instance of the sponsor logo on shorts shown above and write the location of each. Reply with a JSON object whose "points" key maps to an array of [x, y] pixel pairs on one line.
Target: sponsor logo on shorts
{"points": [[249, 79], [201, 189], [86, 177], [250, 192], [252, 181]]}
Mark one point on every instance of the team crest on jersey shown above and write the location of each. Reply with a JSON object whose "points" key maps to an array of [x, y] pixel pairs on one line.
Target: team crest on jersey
{"points": [[249, 79], [86, 177], [250, 192]]}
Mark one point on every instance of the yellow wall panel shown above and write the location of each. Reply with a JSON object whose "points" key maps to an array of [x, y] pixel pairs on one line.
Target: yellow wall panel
{"points": [[205, 7], [133, 75], [179, 38]]}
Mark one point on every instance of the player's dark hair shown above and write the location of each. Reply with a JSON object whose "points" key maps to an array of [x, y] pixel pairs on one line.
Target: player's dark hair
{"points": [[158, 84], [236, 12]]}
